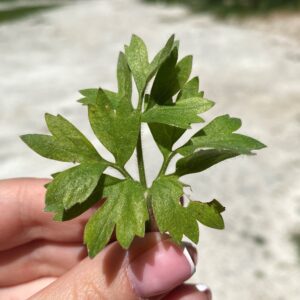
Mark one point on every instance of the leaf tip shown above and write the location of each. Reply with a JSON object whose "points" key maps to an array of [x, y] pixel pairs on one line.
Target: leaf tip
{"points": [[210, 103], [25, 138], [48, 116], [189, 58], [134, 37], [261, 145], [172, 38], [121, 57], [82, 101], [46, 185], [91, 252]]}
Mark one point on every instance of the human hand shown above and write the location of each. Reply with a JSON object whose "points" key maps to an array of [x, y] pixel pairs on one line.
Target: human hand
{"points": [[45, 259]]}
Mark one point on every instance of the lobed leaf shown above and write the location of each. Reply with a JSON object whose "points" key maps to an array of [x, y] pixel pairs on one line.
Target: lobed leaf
{"points": [[163, 85], [117, 128], [124, 78], [90, 97], [74, 185], [124, 210], [171, 77], [208, 214], [63, 130], [180, 114], [219, 135], [137, 57], [190, 90], [160, 57], [165, 136], [202, 160], [169, 214], [62, 214], [67, 143], [49, 147]]}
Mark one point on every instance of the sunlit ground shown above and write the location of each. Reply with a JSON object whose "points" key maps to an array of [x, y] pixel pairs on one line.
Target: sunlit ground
{"points": [[249, 67]]}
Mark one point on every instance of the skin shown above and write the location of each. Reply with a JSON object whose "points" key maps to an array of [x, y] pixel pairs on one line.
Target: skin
{"points": [[39, 257]]}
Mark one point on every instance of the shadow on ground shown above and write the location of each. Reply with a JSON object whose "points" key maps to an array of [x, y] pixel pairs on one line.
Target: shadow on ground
{"points": [[13, 10], [295, 238], [224, 8], [22, 12]]}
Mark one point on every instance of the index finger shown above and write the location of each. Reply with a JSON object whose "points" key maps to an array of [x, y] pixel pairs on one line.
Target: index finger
{"points": [[23, 218]]}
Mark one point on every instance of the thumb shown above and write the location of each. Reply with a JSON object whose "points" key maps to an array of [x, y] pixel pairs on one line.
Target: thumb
{"points": [[152, 266]]}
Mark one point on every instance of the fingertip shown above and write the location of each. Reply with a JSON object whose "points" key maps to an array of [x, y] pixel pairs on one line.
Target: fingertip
{"points": [[160, 268], [190, 292], [203, 288]]}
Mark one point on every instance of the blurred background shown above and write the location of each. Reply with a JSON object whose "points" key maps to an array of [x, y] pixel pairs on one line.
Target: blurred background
{"points": [[247, 55]]}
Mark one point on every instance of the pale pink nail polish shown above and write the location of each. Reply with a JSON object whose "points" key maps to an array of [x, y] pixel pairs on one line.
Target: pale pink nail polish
{"points": [[160, 269]]}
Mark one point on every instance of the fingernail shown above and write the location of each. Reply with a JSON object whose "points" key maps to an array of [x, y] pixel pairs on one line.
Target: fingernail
{"points": [[160, 269], [204, 289], [192, 251]]}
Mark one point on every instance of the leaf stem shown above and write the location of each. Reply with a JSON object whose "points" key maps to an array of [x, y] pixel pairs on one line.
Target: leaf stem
{"points": [[166, 163], [140, 159], [151, 225], [139, 148], [140, 103], [122, 170]]}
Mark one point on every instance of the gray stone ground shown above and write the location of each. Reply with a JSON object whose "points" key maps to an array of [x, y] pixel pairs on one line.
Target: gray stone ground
{"points": [[251, 69]]}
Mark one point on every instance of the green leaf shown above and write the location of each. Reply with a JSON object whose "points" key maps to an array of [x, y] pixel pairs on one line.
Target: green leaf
{"points": [[208, 214], [74, 185], [160, 57], [162, 118], [180, 114], [67, 143], [89, 93], [219, 135], [124, 77], [171, 77], [169, 214], [190, 90], [169, 108], [124, 210], [90, 97], [49, 147], [62, 214], [165, 136], [202, 160], [137, 57], [116, 128], [66, 132], [124, 86]]}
